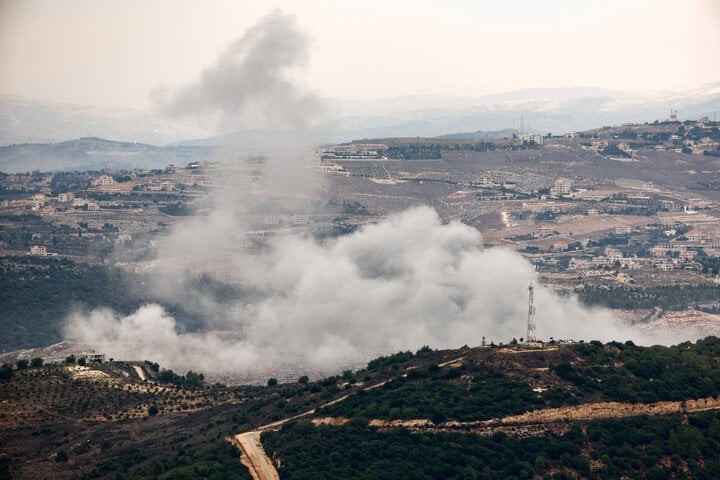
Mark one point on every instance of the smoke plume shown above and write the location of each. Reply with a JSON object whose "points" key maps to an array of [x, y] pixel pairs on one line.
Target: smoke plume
{"points": [[252, 81], [314, 306], [408, 281]]}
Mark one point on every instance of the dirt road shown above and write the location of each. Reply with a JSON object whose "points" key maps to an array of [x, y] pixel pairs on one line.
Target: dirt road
{"points": [[140, 372], [593, 411], [262, 468], [536, 418], [255, 458], [534, 422]]}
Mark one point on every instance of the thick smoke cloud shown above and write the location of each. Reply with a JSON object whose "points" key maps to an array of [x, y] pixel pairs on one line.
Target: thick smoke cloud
{"points": [[252, 80], [315, 306], [408, 281]]}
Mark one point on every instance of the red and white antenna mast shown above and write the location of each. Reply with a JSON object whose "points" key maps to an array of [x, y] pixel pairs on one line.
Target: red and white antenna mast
{"points": [[531, 315]]}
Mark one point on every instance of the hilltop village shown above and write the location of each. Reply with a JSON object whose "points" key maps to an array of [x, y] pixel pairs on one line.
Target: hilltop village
{"points": [[624, 216]]}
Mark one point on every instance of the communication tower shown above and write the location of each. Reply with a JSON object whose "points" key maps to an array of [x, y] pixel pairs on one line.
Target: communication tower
{"points": [[673, 115], [531, 315]]}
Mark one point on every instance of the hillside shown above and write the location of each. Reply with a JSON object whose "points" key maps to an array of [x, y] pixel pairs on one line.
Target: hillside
{"points": [[38, 293], [432, 414], [91, 153], [427, 422]]}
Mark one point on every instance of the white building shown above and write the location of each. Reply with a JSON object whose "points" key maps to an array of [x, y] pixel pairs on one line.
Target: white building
{"points": [[485, 180], [124, 239], [562, 186], [38, 250], [103, 181], [598, 144], [66, 197], [623, 229], [531, 137]]}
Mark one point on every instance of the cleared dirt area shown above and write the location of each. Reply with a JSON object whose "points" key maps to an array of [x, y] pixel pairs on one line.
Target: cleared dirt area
{"points": [[536, 418], [594, 411], [140, 372]]}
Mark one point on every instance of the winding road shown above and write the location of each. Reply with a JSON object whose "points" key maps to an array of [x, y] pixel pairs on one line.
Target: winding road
{"points": [[253, 454], [255, 458], [262, 468]]}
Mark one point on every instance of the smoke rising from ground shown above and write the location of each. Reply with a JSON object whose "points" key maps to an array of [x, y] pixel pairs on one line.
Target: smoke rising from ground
{"points": [[408, 281], [405, 282]]}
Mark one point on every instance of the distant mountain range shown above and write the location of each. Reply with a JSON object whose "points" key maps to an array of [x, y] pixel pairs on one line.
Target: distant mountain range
{"points": [[543, 111]]}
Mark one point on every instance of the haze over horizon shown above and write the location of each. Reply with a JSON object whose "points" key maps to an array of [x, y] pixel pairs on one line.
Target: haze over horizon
{"points": [[117, 53]]}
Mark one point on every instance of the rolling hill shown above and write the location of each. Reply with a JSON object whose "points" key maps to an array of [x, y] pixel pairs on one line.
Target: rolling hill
{"points": [[585, 410], [91, 153]]}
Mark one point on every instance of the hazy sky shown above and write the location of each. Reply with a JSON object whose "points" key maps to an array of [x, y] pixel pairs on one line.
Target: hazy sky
{"points": [[116, 52]]}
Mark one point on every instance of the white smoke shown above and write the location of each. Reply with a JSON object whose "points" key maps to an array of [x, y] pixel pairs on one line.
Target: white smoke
{"points": [[253, 84], [408, 281], [405, 282]]}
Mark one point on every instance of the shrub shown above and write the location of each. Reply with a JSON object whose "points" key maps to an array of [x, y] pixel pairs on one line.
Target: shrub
{"points": [[61, 456], [6, 371]]}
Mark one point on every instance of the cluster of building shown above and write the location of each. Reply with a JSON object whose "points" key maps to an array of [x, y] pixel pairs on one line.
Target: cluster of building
{"points": [[676, 253], [691, 137], [106, 183], [98, 208]]}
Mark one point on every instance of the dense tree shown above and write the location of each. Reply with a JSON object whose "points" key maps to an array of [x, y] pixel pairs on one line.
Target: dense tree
{"points": [[194, 380], [6, 371], [627, 448], [61, 456]]}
